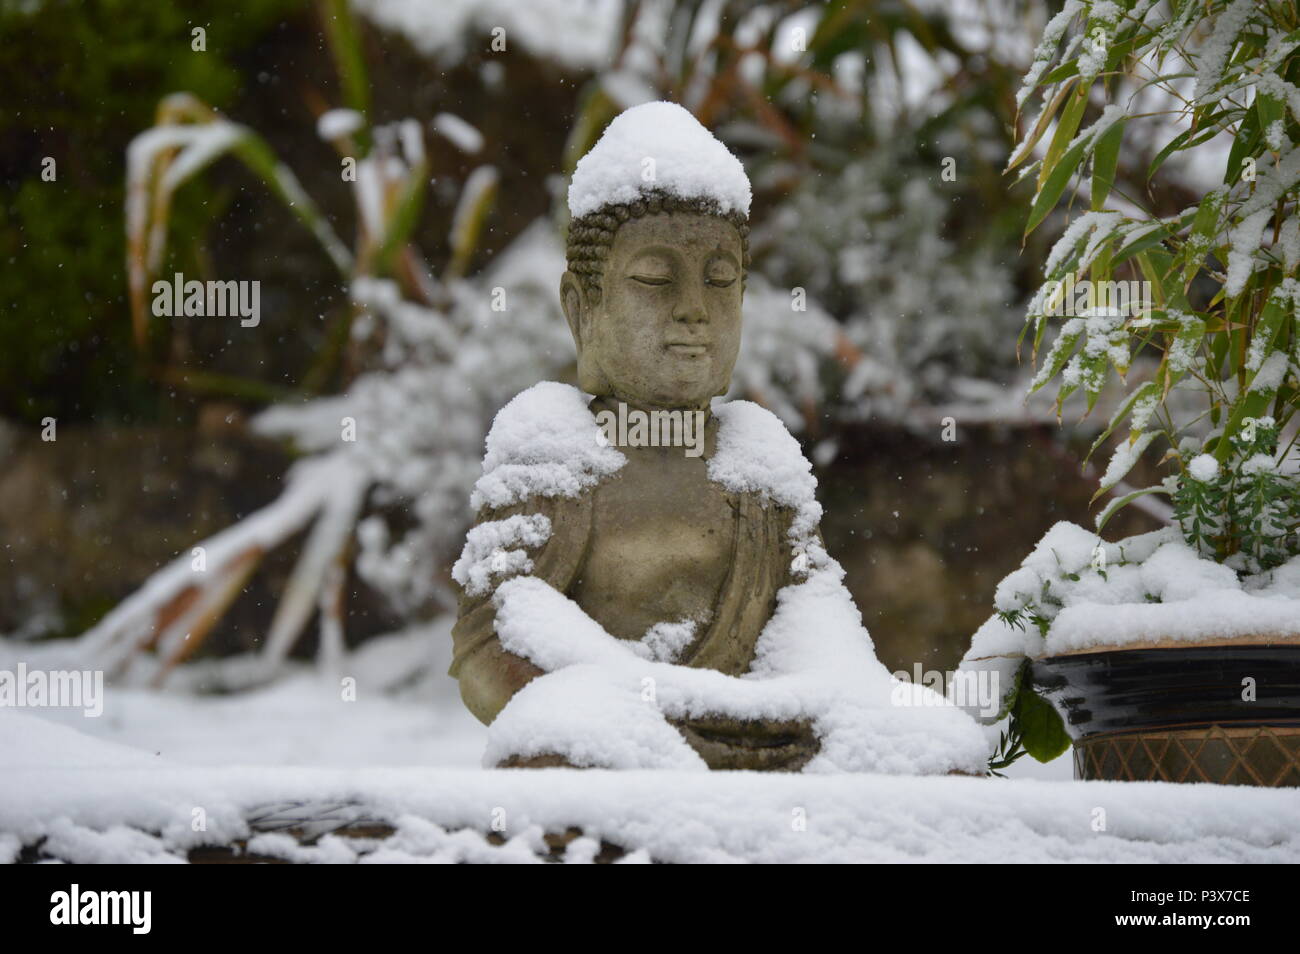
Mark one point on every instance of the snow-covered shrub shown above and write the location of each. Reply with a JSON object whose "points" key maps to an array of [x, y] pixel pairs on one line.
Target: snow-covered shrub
{"points": [[1075, 593], [422, 415], [1219, 303], [1218, 310], [1244, 513], [870, 241]]}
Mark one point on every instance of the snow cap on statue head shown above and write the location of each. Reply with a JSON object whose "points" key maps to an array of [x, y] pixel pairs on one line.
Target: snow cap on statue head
{"points": [[652, 158], [658, 148]]}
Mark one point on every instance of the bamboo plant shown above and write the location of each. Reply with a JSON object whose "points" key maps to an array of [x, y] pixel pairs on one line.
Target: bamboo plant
{"points": [[1165, 84]]}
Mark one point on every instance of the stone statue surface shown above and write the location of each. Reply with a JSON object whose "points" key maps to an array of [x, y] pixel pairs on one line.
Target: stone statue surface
{"points": [[624, 540]]}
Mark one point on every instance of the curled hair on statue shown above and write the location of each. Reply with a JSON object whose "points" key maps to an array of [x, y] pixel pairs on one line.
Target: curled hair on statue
{"points": [[592, 235]]}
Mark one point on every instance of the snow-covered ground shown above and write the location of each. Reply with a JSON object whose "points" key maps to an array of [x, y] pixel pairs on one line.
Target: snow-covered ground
{"points": [[397, 707], [299, 722], [125, 786], [98, 801]]}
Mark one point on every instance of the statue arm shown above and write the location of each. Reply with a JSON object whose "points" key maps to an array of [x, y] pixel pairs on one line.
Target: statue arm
{"points": [[489, 676]]}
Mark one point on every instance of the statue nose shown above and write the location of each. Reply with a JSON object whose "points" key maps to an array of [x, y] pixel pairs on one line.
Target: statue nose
{"points": [[689, 306]]}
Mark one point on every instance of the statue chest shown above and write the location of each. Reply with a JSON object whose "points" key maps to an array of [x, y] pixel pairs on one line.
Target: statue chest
{"points": [[661, 544]]}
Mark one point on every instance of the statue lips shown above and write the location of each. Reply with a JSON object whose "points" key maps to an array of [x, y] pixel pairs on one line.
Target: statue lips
{"points": [[688, 349]]}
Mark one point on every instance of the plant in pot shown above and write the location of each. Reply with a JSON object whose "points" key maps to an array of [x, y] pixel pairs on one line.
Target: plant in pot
{"points": [[1173, 655]]}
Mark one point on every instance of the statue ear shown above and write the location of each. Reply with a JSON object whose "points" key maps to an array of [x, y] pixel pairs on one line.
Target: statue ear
{"points": [[577, 307], [573, 303]]}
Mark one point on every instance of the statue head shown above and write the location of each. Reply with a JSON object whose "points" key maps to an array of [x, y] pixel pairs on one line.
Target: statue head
{"points": [[657, 252]]}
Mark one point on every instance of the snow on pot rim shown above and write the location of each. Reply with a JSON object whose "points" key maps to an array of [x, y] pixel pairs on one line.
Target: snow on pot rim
{"points": [[1093, 603], [1175, 643], [1151, 590]]}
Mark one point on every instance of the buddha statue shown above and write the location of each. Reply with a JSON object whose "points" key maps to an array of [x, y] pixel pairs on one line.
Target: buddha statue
{"points": [[656, 526]]}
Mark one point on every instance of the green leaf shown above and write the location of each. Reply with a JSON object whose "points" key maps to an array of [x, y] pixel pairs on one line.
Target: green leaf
{"points": [[1248, 404], [1268, 328], [1116, 470], [1042, 731], [1144, 241], [1025, 149], [1187, 139], [1094, 377], [1148, 389], [279, 178], [1064, 71], [1056, 182], [1063, 395], [404, 219], [1062, 348], [1270, 108], [1205, 226], [1116, 53], [1186, 341], [1105, 159], [345, 45], [477, 198], [1119, 503], [1251, 402], [1065, 131], [1245, 143]]}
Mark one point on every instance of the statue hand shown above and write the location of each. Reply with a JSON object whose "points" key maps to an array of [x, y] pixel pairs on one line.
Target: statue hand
{"points": [[490, 678], [725, 742]]}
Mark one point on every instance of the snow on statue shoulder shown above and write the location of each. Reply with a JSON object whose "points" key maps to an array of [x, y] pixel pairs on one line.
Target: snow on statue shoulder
{"points": [[544, 443]]}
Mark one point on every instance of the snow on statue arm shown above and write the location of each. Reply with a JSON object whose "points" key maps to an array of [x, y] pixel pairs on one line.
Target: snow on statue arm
{"points": [[505, 542], [534, 515]]}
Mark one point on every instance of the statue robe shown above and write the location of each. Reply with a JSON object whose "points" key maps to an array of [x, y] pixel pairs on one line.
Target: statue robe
{"points": [[759, 567]]}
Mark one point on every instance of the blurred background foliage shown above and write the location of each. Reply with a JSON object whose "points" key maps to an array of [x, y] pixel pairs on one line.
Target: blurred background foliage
{"points": [[80, 80], [846, 114], [83, 78]]}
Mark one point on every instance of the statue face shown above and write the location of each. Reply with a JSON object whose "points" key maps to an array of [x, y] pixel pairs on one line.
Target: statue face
{"points": [[667, 327]]}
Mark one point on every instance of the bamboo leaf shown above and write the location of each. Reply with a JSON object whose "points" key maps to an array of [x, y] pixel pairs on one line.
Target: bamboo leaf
{"points": [[1025, 149], [1065, 130], [1144, 241], [1105, 160], [1245, 143], [1187, 139], [1047, 198], [345, 45], [1119, 503], [279, 178], [1124, 460], [1204, 227], [1094, 378], [471, 213], [1062, 349], [404, 218], [1271, 109], [1148, 389]]}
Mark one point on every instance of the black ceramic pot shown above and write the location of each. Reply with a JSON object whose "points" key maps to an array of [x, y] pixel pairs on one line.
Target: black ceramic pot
{"points": [[1228, 714]]}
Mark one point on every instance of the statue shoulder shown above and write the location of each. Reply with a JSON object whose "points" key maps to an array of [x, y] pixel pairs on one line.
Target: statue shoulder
{"points": [[543, 443], [757, 454]]}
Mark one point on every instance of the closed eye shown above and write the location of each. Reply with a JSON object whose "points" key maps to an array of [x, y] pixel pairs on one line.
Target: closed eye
{"points": [[721, 282], [651, 279]]}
